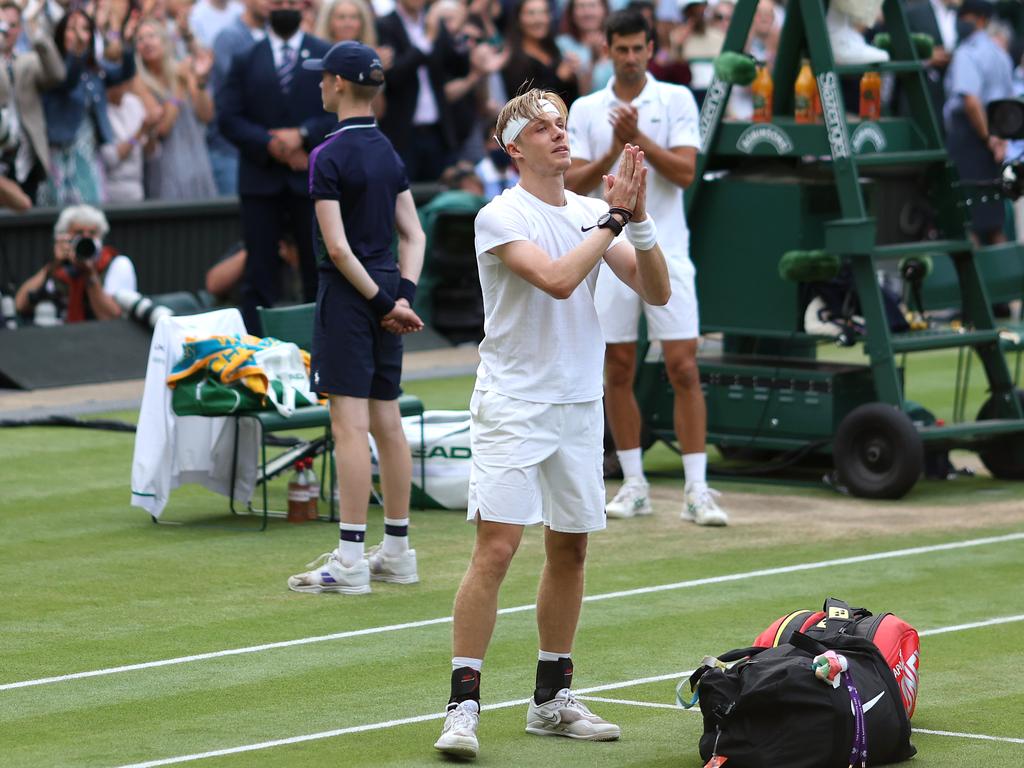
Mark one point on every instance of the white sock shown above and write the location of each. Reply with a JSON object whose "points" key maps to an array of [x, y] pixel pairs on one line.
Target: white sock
{"points": [[350, 548], [549, 656], [695, 467], [396, 536], [464, 661], [632, 463]]}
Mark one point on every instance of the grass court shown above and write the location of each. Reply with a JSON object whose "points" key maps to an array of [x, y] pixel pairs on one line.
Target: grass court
{"points": [[127, 643]]}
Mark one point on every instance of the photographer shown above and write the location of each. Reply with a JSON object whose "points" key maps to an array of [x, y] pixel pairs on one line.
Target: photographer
{"points": [[84, 274]]}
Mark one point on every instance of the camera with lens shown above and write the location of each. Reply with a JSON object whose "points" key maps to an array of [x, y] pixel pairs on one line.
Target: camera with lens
{"points": [[1006, 120], [84, 248]]}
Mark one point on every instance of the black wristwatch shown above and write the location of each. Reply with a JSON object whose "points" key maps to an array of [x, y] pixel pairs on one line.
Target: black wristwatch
{"points": [[608, 221]]}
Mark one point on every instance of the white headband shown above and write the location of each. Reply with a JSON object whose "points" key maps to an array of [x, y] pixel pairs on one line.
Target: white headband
{"points": [[516, 124]]}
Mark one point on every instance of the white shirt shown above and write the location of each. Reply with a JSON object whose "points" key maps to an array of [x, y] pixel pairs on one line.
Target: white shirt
{"points": [[276, 44], [426, 105], [945, 17], [124, 177], [207, 20], [668, 114], [538, 348], [171, 450]]}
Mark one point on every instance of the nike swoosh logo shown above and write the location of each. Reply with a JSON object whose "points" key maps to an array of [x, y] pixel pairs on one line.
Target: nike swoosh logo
{"points": [[870, 704], [552, 718]]}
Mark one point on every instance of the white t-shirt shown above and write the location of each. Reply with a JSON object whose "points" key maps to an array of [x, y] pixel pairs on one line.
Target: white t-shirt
{"points": [[536, 347], [668, 114]]}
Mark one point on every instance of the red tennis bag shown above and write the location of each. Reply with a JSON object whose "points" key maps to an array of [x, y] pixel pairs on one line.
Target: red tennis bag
{"points": [[895, 638]]}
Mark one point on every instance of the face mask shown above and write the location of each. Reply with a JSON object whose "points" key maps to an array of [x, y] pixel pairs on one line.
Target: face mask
{"points": [[499, 159], [284, 22]]}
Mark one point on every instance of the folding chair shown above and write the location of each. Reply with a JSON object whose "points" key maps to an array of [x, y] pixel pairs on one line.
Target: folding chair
{"points": [[295, 324]]}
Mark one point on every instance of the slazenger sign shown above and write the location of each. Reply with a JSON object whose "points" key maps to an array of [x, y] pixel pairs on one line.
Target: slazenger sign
{"points": [[828, 87], [763, 133], [714, 101]]}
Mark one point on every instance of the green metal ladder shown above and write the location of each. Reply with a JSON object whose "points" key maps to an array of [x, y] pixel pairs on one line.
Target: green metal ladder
{"points": [[914, 142]]}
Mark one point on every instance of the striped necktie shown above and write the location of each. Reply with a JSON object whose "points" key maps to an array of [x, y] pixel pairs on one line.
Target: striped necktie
{"points": [[286, 69]]}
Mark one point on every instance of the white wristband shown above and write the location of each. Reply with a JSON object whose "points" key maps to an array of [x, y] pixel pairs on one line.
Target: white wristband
{"points": [[643, 235]]}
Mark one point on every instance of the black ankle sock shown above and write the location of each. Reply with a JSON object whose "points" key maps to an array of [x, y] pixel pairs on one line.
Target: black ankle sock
{"points": [[465, 686], [552, 676]]}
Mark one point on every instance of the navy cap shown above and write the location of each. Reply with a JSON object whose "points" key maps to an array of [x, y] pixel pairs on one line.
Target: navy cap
{"points": [[351, 60]]}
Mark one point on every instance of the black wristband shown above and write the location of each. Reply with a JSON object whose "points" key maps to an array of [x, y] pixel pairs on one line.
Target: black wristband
{"points": [[625, 213], [381, 303], [406, 290]]}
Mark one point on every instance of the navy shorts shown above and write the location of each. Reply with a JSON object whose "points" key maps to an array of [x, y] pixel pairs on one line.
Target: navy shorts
{"points": [[352, 355]]}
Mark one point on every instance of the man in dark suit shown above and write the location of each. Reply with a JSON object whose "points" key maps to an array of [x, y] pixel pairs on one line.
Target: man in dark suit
{"points": [[935, 18], [417, 120], [270, 108]]}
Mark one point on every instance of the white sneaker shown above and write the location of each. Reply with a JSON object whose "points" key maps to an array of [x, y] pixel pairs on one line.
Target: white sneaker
{"points": [[565, 716], [632, 500], [458, 737], [701, 507], [397, 569], [329, 575]]}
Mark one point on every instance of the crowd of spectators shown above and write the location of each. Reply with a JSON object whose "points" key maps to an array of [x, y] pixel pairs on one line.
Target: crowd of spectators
{"points": [[117, 101], [125, 100]]}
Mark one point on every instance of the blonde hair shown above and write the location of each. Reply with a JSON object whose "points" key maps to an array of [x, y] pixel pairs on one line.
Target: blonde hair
{"points": [[368, 33], [527, 105], [163, 82]]}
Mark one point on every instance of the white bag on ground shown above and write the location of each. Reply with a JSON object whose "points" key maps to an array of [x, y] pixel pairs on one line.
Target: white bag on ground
{"points": [[442, 481]]}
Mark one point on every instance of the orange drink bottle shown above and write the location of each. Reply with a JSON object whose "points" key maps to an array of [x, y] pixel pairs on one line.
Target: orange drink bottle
{"points": [[803, 94], [761, 90], [871, 96]]}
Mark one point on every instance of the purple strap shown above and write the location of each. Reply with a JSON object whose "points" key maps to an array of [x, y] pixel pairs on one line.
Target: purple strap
{"points": [[859, 750]]}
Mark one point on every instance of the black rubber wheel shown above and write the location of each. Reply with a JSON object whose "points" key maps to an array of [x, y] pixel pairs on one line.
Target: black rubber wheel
{"points": [[1000, 457], [877, 452]]}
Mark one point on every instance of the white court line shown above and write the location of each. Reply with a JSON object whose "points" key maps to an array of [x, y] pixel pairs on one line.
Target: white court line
{"points": [[521, 608], [383, 725], [657, 705], [648, 704], [981, 736], [581, 692], [972, 625]]}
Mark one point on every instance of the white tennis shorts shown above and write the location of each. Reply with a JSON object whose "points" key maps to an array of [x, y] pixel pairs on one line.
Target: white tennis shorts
{"points": [[618, 307], [537, 463]]}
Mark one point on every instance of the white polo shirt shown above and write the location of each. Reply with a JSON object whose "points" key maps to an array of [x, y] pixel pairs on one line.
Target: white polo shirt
{"points": [[668, 114], [538, 348]]}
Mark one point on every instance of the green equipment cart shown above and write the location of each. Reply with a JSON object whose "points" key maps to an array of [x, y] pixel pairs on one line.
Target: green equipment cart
{"points": [[765, 189]]}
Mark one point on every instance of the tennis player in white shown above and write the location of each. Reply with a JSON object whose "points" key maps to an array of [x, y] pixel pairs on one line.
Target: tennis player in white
{"points": [[660, 118], [537, 428]]}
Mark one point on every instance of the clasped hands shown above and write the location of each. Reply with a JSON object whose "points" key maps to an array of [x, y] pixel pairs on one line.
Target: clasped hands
{"points": [[628, 189], [401, 319], [285, 146]]}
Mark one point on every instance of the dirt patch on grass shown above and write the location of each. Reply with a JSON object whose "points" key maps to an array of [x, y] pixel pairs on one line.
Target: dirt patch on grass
{"points": [[766, 519]]}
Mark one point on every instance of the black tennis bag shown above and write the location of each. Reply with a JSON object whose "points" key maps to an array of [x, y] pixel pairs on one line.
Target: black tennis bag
{"points": [[770, 711]]}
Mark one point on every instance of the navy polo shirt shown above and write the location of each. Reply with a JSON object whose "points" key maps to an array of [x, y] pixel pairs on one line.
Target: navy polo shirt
{"points": [[357, 166]]}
